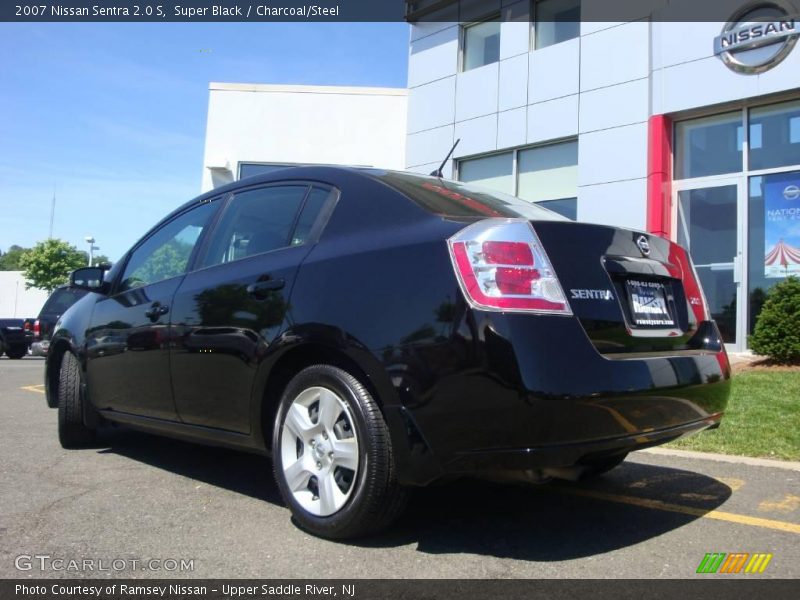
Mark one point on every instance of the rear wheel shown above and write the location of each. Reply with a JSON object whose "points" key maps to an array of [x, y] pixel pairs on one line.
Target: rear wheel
{"points": [[332, 456], [603, 465], [72, 431], [16, 352]]}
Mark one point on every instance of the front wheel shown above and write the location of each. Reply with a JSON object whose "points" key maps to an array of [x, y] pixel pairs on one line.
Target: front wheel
{"points": [[332, 456], [72, 431]]}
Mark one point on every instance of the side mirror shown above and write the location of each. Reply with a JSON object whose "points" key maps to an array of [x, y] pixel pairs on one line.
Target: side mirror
{"points": [[88, 278]]}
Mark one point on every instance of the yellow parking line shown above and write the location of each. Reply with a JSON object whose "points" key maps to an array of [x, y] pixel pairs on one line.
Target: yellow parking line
{"points": [[38, 388], [686, 510]]}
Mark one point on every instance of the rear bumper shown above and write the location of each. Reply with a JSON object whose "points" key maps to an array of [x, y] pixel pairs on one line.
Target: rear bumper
{"points": [[569, 454], [40, 348], [523, 393]]}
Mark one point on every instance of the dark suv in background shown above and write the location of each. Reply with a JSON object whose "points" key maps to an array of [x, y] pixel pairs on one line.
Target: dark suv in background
{"points": [[57, 304]]}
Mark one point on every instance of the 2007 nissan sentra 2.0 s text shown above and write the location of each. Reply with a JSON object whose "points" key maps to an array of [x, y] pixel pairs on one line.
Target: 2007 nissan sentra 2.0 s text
{"points": [[374, 331]]}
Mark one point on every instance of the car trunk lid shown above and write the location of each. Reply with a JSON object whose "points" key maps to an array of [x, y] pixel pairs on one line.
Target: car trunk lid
{"points": [[632, 292]]}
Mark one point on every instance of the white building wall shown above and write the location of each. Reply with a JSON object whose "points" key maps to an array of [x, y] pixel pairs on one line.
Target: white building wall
{"points": [[302, 124], [600, 88], [15, 301]]}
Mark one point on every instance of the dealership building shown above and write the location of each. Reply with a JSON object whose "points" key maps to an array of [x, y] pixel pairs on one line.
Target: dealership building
{"points": [[690, 130]]}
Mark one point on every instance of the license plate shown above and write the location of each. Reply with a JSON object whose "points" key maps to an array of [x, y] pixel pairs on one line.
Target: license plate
{"points": [[648, 302]]}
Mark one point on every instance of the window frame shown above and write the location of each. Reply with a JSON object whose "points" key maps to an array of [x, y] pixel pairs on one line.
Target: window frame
{"points": [[314, 234], [212, 221], [533, 33], [462, 40]]}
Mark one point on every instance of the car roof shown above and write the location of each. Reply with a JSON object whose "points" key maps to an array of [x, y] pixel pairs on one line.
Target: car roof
{"points": [[302, 172]]}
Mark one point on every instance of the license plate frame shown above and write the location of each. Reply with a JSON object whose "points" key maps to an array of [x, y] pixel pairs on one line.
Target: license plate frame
{"points": [[649, 304]]}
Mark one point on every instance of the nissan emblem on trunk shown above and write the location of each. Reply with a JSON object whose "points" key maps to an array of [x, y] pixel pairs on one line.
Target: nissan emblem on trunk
{"points": [[758, 36], [643, 244]]}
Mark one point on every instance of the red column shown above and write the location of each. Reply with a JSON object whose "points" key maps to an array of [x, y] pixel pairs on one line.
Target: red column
{"points": [[659, 175]]}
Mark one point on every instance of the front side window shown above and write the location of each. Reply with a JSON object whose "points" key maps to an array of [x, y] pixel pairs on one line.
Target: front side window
{"points": [[556, 21], [165, 254], [481, 44], [256, 221]]}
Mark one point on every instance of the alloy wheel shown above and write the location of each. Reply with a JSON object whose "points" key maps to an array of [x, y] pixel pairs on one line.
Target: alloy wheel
{"points": [[319, 451]]}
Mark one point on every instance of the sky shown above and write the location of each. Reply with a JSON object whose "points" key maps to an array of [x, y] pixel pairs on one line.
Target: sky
{"points": [[112, 117]]}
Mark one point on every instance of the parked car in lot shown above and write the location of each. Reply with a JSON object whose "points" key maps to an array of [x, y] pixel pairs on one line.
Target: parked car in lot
{"points": [[374, 331], [13, 338], [57, 304]]}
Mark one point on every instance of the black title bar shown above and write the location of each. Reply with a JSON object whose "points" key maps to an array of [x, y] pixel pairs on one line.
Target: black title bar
{"points": [[414, 11]]}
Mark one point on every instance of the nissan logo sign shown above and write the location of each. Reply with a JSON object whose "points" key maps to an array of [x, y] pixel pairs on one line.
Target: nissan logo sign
{"points": [[758, 36]]}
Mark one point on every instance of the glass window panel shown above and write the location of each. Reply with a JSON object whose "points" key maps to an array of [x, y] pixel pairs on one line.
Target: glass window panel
{"points": [[778, 136], [256, 221], [165, 254], [493, 172], [548, 172], [566, 207], [308, 217], [556, 21], [708, 146], [250, 169], [481, 44], [707, 227], [773, 235]]}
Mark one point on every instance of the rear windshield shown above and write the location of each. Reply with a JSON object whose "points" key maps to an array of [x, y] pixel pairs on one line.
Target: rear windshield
{"points": [[456, 199], [60, 300]]}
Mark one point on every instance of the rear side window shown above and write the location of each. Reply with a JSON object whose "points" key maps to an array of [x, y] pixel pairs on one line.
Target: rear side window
{"points": [[256, 221], [308, 217], [61, 299], [455, 199]]}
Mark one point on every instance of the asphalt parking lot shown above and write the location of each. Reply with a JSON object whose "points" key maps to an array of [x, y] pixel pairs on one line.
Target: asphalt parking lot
{"points": [[136, 497]]}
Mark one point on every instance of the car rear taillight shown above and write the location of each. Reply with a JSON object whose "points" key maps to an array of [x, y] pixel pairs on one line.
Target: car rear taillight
{"points": [[501, 265], [691, 283], [37, 329]]}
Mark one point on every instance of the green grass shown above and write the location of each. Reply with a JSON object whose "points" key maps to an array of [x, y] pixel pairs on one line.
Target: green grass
{"points": [[762, 418]]}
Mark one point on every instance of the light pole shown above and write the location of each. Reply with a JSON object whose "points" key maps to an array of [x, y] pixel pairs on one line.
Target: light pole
{"points": [[90, 240]]}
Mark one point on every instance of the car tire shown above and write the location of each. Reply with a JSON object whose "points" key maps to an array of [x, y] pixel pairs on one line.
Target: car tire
{"points": [[16, 353], [72, 431], [332, 456], [598, 467]]}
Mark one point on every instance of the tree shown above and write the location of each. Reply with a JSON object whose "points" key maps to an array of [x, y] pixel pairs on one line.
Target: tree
{"points": [[10, 261], [777, 331], [49, 263], [98, 258], [168, 261]]}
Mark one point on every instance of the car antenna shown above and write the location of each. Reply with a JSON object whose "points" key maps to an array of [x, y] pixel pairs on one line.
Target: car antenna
{"points": [[438, 172]]}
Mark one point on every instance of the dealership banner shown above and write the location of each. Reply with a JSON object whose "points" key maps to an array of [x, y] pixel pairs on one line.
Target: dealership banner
{"points": [[712, 588], [440, 11], [782, 225]]}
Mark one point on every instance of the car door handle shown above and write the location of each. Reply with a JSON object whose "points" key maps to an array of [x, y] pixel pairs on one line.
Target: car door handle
{"points": [[261, 289], [155, 311]]}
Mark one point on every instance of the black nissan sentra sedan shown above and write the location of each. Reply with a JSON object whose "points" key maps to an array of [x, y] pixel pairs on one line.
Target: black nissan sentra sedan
{"points": [[374, 331]]}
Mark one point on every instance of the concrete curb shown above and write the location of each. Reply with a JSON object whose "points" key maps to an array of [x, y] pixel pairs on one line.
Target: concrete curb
{"points": [[727, 458]]}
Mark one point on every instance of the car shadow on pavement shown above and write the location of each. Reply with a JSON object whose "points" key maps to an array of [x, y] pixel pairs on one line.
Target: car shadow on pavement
{"points": [[553, 522]]}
